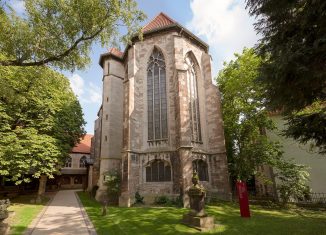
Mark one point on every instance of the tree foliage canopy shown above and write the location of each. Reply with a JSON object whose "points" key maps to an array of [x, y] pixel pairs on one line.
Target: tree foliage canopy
{"points": [[60, 33], [245, 122], [40, 121], [245, 116], [294, 69]]}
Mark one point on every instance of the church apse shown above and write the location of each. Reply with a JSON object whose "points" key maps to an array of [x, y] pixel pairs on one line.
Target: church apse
{"points": [[169, 120]]}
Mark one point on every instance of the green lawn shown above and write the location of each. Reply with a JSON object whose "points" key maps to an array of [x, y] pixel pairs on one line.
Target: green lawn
{"points": [[24, 213], [141, 220]]}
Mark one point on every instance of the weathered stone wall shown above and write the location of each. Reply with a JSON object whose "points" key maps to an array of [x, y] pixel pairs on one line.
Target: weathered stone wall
{"points": [[75, 158], [111, 121], [174, 49], [96, 149], [124, 137]]}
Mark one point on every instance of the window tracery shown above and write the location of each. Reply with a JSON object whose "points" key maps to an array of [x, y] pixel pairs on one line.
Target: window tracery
{"points": [[193, 100], [156, 97], [68, 162], [82, 162], [158, 171]]}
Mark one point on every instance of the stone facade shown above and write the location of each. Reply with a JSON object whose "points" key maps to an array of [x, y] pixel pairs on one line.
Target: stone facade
{"points": [[121, 140], [74, 176], [78, 170]]}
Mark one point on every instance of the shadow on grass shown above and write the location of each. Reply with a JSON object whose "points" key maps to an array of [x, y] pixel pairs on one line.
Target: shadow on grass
{"points": [[24, 211], [140, 220]]}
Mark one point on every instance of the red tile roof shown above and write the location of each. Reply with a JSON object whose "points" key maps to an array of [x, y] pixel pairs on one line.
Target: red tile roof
{"points": [[84, 146], [116, 52], [160, 21]]}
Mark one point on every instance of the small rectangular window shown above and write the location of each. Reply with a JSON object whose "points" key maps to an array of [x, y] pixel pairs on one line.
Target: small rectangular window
{"points": [[106, 117], [148, 174], [134, 158], [108, 68], [106, 138], [107, 99]]}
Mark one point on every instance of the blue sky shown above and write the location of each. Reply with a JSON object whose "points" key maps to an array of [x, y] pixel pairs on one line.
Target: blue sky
{"points": [[224, 24]]}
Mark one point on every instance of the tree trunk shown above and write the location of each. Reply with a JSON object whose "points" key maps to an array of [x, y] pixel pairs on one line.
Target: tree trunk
{"points": [[41, 188]]}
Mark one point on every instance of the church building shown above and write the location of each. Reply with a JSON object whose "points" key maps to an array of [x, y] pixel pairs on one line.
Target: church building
{"points": [[160, 117]]}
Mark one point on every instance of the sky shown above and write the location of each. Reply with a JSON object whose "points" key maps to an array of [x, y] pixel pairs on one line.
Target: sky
{"points": [[224, 25]]}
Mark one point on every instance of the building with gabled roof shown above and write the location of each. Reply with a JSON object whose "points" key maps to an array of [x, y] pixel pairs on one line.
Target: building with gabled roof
{"points": [[74, 174], [160, 21], [160, 118]]}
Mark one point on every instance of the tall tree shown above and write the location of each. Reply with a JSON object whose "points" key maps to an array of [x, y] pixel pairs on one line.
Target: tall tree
{"points": [[245, 122], [245, 116], [61, 33], [294, 72], [40, 121]]}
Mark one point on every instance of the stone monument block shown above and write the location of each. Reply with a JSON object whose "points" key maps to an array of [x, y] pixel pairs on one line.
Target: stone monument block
{"points": [[197, 218]]}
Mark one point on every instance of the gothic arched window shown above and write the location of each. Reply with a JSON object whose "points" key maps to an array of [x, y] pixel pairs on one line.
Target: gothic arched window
{"points": [[158, 171], [193, 100], [156, 97], [82, 162], [68, 162], [201, 168]]}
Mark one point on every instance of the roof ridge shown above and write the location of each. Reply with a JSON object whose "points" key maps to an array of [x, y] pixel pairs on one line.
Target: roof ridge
{"points": [[158, 21], [162, 13], [115, 51], [150, 21]]}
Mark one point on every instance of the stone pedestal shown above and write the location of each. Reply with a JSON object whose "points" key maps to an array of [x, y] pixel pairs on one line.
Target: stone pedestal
{"points": [[4, 228], [202, 223], [197, 217]]}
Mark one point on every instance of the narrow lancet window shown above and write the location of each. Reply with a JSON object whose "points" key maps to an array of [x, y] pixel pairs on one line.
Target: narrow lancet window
{"points": [[156, 97], [193, 100]]}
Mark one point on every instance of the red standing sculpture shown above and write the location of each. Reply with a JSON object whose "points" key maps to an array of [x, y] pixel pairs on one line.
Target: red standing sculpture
{"points": [[243, 199]]}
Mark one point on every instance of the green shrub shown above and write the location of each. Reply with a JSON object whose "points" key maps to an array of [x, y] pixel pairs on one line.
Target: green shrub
{"points": [[167, 201], [162, 200], [138, 198], [93, 192], [112, 180], [178, 201], [293, 182]]}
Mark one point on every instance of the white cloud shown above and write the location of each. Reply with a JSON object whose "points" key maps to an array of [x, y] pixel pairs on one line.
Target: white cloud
{"points": [[225, 24], [95, 93], [87, 93], [18, 6], [77, 84]]}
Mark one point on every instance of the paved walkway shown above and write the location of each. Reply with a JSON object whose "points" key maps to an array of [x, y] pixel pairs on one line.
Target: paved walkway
{"points": [[63, 216]]}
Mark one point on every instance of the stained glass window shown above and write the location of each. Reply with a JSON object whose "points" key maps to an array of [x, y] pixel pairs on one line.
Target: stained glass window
{"points": [[68, 162], [82, 162], [193, 100], [158, 171], [156, 97]]}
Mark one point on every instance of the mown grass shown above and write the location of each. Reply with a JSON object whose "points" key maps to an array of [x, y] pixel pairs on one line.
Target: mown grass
{"points": [[24, 212], [151, 220]]}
